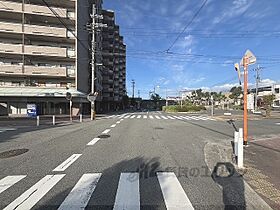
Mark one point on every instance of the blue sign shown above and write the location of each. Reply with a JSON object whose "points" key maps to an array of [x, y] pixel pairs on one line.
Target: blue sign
{"points": [[31, 110]]}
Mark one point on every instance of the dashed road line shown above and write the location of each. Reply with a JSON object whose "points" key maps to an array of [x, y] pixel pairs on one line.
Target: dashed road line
{"points": [[106, 131], [69, 161], [93, 141]]}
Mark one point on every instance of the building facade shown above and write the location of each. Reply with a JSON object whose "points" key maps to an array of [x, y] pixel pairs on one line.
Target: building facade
{"points": [[45, 52], [114, 64]]}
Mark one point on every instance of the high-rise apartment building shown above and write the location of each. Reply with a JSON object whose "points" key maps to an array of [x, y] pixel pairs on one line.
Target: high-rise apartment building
{"points": [[114, 61], [46, 51]]}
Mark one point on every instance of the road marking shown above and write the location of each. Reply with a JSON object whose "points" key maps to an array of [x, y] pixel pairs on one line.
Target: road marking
{"points": [[171, 118], [9, 181], [133, 116], [201, 118], [112, 126], [118, 122], [277, 123], [93, 141], [30, 197], [164, 117], [127, 116], [157, 117], [139, 116], [151, 117], [80, 195], [121, 116], [106, 131], [122, 119], [195, 118], [63, 166], [173, 193], [128, 185], [145, 116], [186, 117]]}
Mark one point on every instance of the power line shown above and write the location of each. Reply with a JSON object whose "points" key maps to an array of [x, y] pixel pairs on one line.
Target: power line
{"points": [[193, 18]]}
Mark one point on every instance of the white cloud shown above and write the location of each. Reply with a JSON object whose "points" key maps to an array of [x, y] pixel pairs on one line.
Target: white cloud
{"points": [[267, 82]]}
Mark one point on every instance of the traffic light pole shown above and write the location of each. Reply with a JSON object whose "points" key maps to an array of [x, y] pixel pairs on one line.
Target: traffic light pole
{"points": [[245, 118]]}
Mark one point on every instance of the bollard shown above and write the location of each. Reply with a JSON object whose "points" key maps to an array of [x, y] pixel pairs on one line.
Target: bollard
{"points": [[81, 118], [53, 119], [236, 137], [38, 120], [240, 149]]}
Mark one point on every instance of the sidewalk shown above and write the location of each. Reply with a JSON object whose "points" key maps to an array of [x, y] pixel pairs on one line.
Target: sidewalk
{"points": [[262, 161]]}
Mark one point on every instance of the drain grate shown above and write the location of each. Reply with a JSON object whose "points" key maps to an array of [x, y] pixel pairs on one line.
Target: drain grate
{"points": [[12, 153], [104, 136]]}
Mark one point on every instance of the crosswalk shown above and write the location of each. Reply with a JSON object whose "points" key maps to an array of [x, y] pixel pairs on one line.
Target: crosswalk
{"points": [[127, 195], [162, 117]]}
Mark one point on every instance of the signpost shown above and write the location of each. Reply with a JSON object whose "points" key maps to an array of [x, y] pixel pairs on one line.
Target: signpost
{"points": [[92, 97], [248, 59], [31, 110], [69, 98]]}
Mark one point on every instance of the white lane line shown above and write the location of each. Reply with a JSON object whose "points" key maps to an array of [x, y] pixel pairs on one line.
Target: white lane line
{"points": [[122, 119], [128, 194], [277, 123], [93, 141], [157, 117], [133, 116], [164, 117], [9, 181], [30, 197], [106, 131], [151, 117], [145, 116], [63, 166], [139, 116], [118, 122], [127, 116], [80, 195], [172, 118], [114, 125], [173, 193]]}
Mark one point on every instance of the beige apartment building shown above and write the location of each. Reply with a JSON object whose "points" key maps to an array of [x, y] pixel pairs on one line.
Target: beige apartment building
{"points": [[44, 53]]}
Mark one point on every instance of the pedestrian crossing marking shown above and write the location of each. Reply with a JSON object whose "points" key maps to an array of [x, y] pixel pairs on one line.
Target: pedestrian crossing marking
{"points": [[145, 116], [127, 116], [133, 116], [80, 195], [139, 116], [157, 117], [63, 166], [164, 117], [151, 117], [170, 117], [128, 194], [174, 195], [126, 197], [30, 197], [9, 181]]}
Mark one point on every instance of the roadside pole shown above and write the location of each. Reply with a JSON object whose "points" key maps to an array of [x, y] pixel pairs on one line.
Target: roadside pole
{"points": [[212, 106], [245, 118]]}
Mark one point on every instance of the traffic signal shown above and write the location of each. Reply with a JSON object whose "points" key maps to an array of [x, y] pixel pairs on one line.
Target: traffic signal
{"points": [[237, 68]]}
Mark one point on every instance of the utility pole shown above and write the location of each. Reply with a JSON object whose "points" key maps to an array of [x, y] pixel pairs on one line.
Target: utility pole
{"points": [[133, 87], [257, 76], [245, 119], [138, 93], [93, 61]]}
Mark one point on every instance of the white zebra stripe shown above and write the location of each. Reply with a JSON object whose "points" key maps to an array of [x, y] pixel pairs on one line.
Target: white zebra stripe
{"points": [[9, 181]]}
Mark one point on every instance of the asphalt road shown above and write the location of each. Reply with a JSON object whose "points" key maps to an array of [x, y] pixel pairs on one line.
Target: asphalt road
{"points": [[127, 161]]}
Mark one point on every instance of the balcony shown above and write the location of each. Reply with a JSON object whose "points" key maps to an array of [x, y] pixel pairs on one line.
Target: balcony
{"points": [[33, 70], [10, 69], [10, 6], [10, 48], [45, 70], [45, 51]]}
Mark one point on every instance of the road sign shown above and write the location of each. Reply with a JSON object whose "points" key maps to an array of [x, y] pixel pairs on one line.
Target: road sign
{"points": [[92, 97], [31, 110], [251, 58]]}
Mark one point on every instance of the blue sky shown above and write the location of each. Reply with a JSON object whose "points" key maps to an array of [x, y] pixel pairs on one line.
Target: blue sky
{"points": [[203, 56]]}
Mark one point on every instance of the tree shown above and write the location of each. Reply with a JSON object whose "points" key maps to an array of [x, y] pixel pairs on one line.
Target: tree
{"points": [[235, 93], [268, 101], [155, 97]]}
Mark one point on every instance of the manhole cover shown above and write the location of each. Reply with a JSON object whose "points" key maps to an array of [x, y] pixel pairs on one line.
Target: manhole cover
{"points": [[104, 136], [158, 128], [12, 153]]}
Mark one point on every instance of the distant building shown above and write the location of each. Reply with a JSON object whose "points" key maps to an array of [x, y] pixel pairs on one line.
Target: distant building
{"points": [[268, 90]]}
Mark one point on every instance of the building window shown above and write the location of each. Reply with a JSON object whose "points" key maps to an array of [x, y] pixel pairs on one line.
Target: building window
{"points": [[277, 90]]}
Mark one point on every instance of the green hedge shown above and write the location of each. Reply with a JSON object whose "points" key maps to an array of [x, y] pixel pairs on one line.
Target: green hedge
{"points": [[185, 108]]}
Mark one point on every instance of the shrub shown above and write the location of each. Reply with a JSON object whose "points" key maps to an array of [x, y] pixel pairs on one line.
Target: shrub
{"points": [[185, 108]]}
